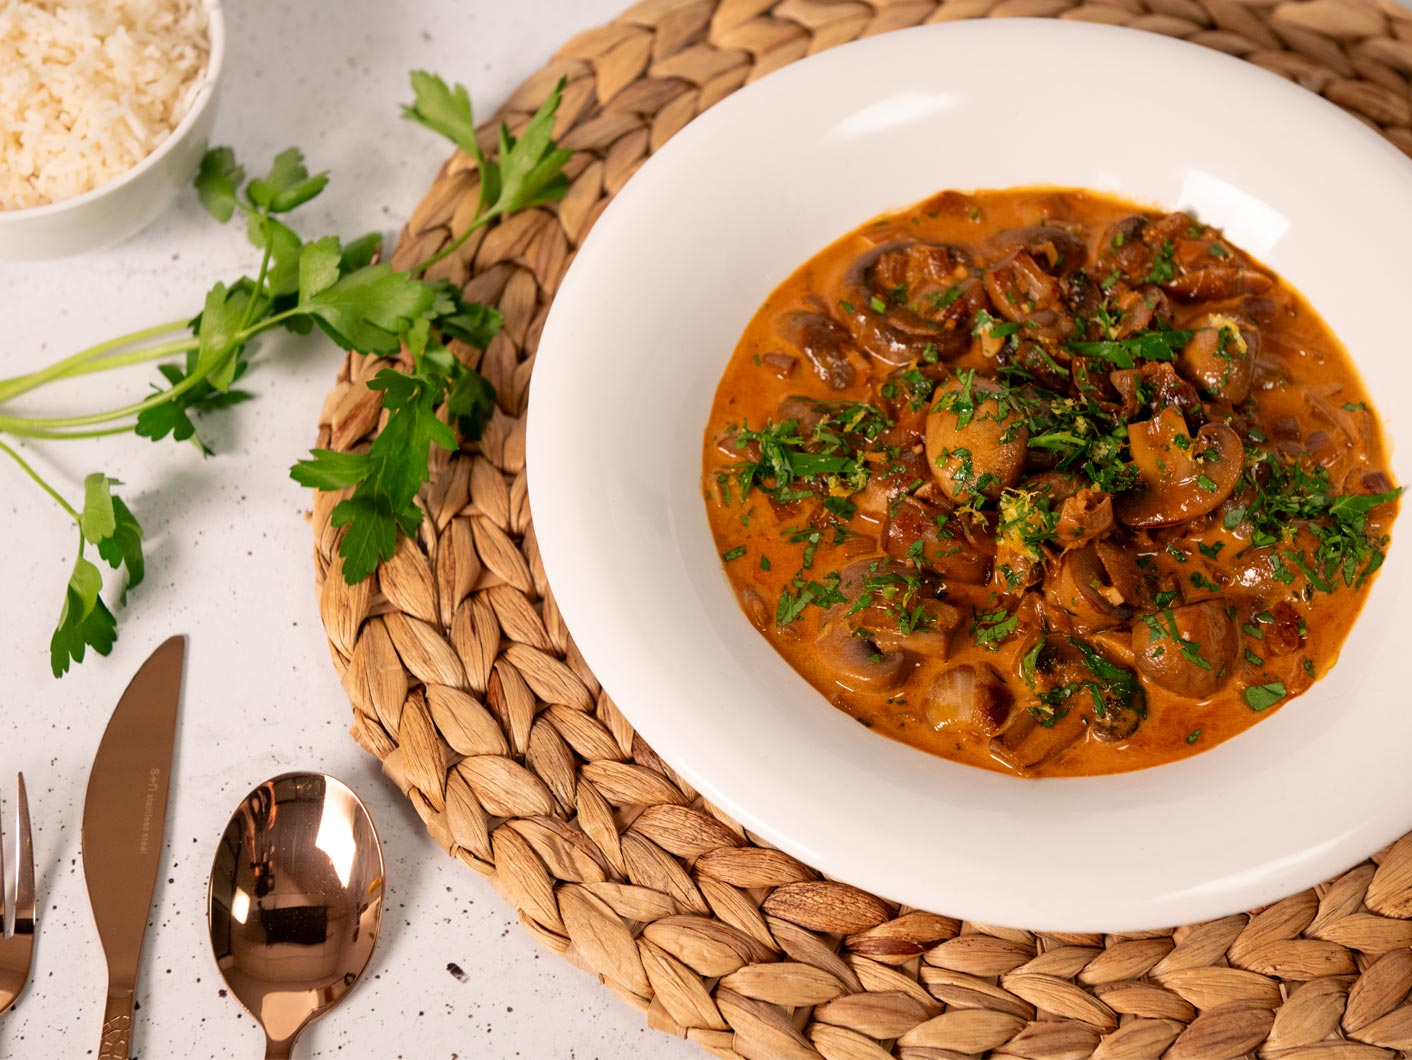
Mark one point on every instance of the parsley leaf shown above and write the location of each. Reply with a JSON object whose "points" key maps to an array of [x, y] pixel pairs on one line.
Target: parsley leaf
{"points": [[320, 264], [444, 110], [472, 402], [287, 185], [331, 470], [368, 310], [123, 547], [109, 524], [217, 180], [285, 247], [1125, 353], [173, 416], [221, 322], [97, 520], [84, 621], [395, 468], [1258, 697], [530, 169]]}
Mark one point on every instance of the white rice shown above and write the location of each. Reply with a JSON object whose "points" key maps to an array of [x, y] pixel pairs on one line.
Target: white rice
{"points": [[89, 88]]}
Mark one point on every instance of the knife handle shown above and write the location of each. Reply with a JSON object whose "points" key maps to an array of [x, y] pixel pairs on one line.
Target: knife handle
{"points": [[117, 1027]]}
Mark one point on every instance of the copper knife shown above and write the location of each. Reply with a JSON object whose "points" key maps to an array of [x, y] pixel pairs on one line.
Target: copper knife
{"points": [[124, 815]]}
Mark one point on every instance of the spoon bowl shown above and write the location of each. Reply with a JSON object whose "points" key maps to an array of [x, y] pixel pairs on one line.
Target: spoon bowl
{"points": [[295, 901]]}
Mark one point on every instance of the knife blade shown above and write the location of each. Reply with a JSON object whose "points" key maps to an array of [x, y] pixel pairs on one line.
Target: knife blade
{"points": [[124, 816]]}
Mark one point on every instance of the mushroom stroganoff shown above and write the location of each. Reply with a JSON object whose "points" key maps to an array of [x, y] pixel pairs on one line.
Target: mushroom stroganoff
{"points": [[1046, 482]]}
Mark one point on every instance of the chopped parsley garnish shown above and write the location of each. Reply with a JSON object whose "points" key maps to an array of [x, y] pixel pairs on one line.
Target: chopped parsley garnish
{"points": [[734, 553], [1289, 498], [992, 627], [1258, 697], [987, 325], [1163, 269], [826, 458], [1194, 735], [1110, 684], [898, 594], [1125, 353], [1027, 522], [912, 383], [823, 593]]}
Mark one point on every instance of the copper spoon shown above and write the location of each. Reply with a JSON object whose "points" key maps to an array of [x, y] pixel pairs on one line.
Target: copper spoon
{"points": [[295, 901]]}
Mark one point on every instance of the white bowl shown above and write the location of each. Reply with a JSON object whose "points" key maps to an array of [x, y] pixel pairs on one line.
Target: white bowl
{"points": [[652, 308], [130, 201]]}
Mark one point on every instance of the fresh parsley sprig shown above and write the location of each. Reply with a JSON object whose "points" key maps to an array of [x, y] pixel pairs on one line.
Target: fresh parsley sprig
{"points": [[360, 303], [528, 171]]}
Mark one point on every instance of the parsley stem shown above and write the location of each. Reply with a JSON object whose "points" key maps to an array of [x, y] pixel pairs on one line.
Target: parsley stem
{"points": [[40, 482], [28, 424], [63, 436], [118, 360], [89, 360], [454, 245], [259, 277], [47, 427]]}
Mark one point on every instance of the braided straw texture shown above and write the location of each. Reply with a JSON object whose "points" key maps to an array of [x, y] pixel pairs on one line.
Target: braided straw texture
{"points": [[467, 685]]}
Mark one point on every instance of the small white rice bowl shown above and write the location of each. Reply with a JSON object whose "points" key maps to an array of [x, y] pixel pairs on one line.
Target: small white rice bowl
{"points": [[89, 88]]}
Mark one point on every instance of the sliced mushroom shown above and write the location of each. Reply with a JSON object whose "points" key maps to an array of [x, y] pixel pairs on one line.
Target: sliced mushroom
{"points": [[945, 549], [1124, 576], [934, 625], [1022, 291], [1285, 633], [1056, 250], [971, 448], [1027, 743], [901, 297], [825, 344], [1179, 477], [1084, 517], [973, 698], [859, 663], [1124, 248], [1217, 283], [1106, 695], [802, 410], [1057, 486], [1119, 720], [1188, 650], [1138, 307], [1047, 363], [1220, 357], [1081, 588]]}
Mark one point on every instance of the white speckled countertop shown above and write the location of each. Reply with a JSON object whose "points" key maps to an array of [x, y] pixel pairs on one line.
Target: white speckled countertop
{"points": [[230, 565]]}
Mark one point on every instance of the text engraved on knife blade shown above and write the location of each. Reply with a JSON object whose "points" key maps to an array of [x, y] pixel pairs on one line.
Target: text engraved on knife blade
{"points": [[149, 805]]}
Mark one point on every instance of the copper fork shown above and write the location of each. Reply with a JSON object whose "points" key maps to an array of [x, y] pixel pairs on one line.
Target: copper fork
{"points": [[17, 945]]}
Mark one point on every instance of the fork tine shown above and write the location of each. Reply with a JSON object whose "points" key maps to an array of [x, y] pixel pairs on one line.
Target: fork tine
{"points": [[24, 871]]}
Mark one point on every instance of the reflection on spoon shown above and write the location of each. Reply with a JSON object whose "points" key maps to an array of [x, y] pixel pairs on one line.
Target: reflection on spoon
{"points": [[295, 901]]}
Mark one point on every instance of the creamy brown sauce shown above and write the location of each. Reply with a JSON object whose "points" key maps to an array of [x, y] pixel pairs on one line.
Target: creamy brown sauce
{"points": [[1047, 482]]}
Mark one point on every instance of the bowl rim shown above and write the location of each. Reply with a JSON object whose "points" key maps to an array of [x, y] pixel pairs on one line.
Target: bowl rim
{"points": [[210, 77], [574, 501]]}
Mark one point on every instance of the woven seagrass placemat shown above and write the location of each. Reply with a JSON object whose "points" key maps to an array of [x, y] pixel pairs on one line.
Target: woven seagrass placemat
{"points": [[467, 685]]}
